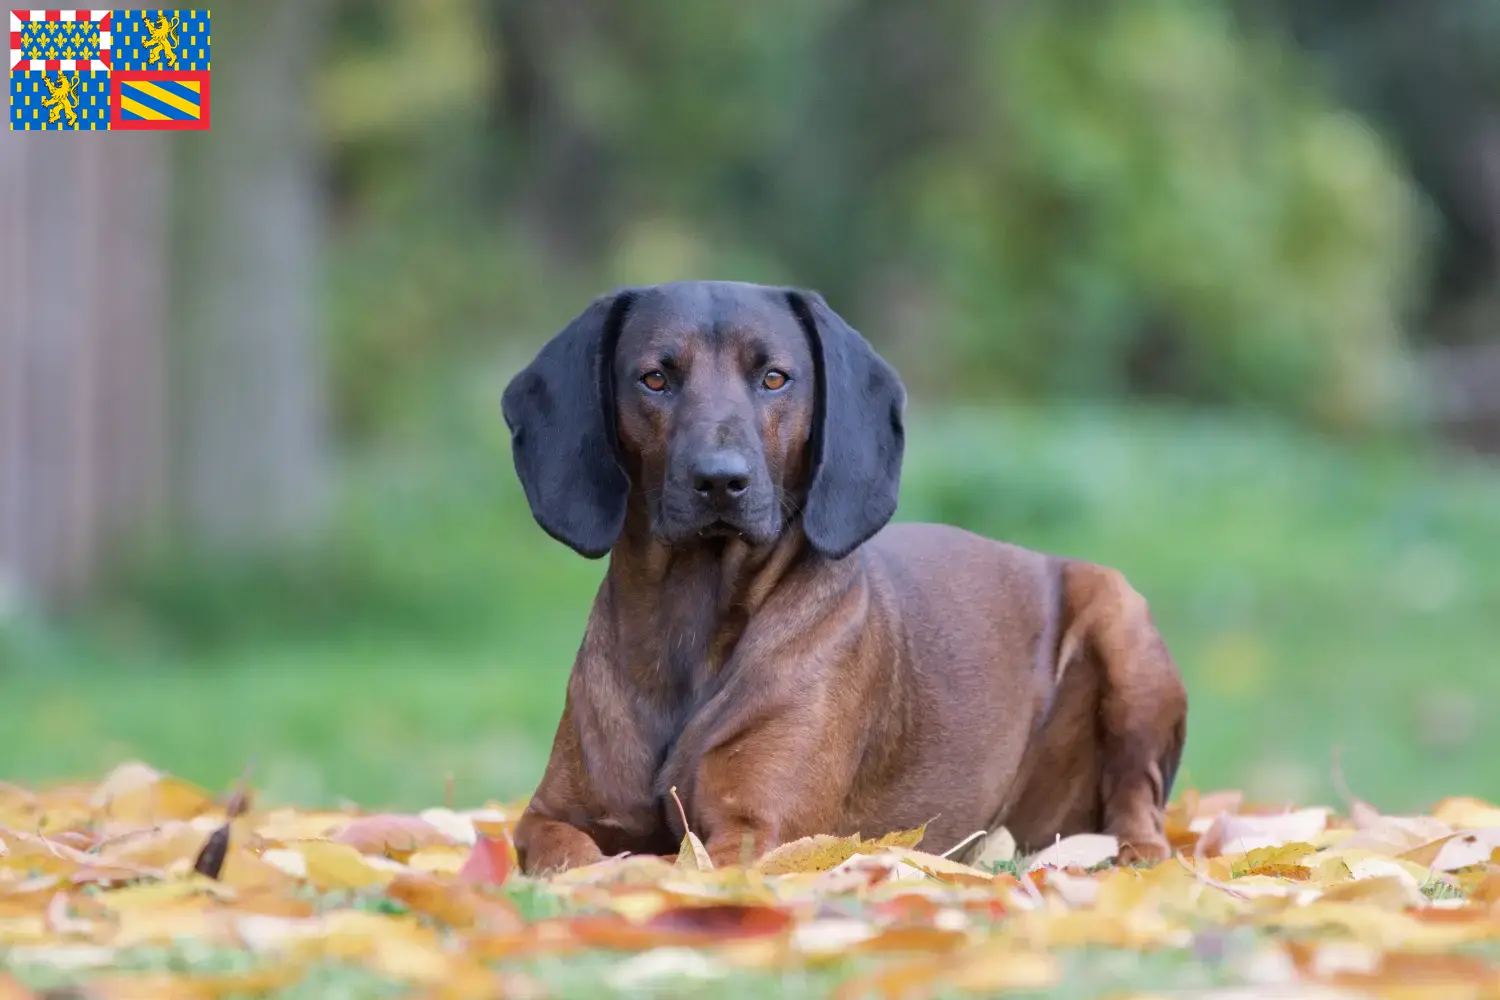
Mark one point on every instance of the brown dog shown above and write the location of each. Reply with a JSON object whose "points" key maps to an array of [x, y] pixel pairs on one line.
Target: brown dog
{"points": [[765, 644]]}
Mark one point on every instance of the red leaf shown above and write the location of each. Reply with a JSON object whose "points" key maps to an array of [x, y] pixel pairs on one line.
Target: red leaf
{"points": [[726, 920], [489, 863], [682, 927]]}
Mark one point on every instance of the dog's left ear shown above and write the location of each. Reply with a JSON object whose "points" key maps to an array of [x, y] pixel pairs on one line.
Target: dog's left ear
{"points": [[561, 413], [858, 432]]}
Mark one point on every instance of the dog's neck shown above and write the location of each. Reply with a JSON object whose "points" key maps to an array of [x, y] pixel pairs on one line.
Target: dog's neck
{"points": [[680, 609]]}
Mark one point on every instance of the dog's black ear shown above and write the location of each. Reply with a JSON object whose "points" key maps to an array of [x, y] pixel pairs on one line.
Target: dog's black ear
{"points": [[561, 413], [858, 433]]}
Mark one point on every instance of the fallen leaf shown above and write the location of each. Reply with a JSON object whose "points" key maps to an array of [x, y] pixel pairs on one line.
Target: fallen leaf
{"points": [[1473, 847], [210, 860], [1465, 813], [391, 835], [1229, 833], [489, 861], [896, 838], [722, 921], [810, 854], [1393, 906], [1084, 850], [939, 867], [331, 865], [693, 856], [454, 904], [127, 777]]}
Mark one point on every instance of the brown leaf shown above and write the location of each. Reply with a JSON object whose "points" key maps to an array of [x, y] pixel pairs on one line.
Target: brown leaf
{"points": [[210, 860], [913, 938], [1296, 873]]}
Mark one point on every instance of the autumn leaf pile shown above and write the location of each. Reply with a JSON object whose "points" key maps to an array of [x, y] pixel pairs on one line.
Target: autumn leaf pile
{"points": [[1284, 903]]}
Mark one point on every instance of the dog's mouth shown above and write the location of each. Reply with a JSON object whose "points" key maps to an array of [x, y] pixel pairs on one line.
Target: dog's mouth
{"points": [[720, 528]]}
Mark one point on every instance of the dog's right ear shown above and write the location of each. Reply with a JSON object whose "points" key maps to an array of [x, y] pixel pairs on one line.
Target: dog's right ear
{"points": [[561, 413]]}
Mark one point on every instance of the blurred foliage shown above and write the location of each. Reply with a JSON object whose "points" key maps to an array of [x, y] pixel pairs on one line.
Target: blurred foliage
{"points": [[1038, 200]]}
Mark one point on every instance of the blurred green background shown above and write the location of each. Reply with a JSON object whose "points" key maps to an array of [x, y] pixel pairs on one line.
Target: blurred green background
{"points": [[1205, 290]]}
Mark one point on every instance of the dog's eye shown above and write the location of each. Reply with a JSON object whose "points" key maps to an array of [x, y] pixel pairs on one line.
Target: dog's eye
{"points": [[774, 380], [654, 381]]}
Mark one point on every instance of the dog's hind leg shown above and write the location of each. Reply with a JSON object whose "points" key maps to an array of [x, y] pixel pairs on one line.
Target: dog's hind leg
{"points": [[1142, 705]]}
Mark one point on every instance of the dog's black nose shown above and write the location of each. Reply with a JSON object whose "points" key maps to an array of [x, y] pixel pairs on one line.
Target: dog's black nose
{"points": [[721, 475]]}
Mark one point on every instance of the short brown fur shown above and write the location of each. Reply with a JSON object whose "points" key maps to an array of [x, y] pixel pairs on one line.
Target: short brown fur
{"points": [[928, 676]]}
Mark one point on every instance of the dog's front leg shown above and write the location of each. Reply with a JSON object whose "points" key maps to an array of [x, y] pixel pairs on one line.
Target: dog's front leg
{"points": [[575, 803], [771, 784]]}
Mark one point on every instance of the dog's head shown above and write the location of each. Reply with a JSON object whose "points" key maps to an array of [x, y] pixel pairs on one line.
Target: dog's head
{"points": [[728, 408]]}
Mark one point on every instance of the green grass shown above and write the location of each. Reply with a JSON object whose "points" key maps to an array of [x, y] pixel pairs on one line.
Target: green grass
{"points": [[1086, 972], [1319, 599]]}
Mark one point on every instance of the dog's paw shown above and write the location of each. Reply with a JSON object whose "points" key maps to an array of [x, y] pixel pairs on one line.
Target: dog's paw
{"points": [[1143, 851]]}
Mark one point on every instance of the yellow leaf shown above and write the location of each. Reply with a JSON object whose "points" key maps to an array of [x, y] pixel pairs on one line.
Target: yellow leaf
{"points": [[402, 948], [333, 865], [693, 856], [130, 776], [897, 838], [165, 799], [284, 825], [454, 903], [1330, 870], [990, 969], [1394, 891], [245, 871], [1465, 813], [810, 854], [1382, 928], [443, 859], [941, 868], [1285, 854], [821, 852], [154, 894]]}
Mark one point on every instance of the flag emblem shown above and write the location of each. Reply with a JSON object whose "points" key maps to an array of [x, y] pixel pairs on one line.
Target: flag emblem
{"points": [[159, 99], [95, 70]]}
